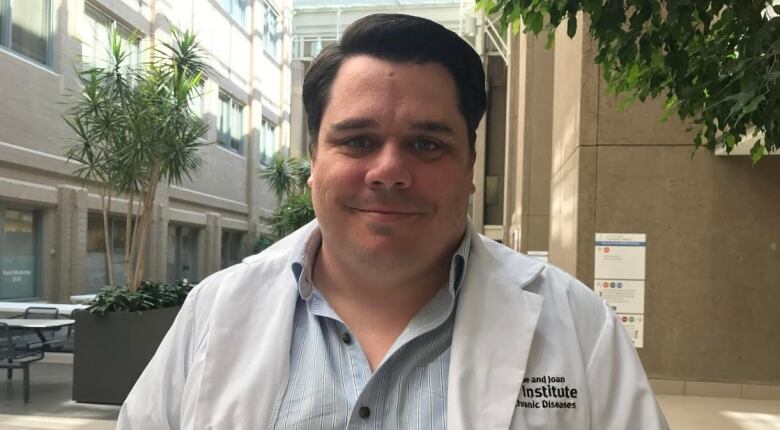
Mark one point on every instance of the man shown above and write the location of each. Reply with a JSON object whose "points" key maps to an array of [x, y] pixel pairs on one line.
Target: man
{"points": [[389, 311]]}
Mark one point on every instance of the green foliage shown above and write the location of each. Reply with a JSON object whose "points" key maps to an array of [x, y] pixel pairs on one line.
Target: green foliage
{"points": [[135, 128], [263, 241], [715, 61], [295, 212], [287, 179], [285, 175], [150, 295]]}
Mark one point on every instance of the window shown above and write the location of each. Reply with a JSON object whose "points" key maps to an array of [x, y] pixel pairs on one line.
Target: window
{"points": [[271, 32], [267, 141], [182, 253], [232, 247], [95, 50], [25, 28], [97, 266], [230, 131], [236, 9], [20, 256]]}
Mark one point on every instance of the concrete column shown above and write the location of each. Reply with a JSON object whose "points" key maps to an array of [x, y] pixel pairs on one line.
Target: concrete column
{"points": [[49, 280], [213, 243], [298, 129], [71, 243], [528, 156]]}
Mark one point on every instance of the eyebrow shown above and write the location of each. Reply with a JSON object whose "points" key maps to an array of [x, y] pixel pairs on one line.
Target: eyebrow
{"points": [[353, 124], [433, 127], [362, 123]]}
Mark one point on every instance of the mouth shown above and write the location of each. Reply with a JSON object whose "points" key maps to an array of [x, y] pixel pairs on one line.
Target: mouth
{"points": [[386, 214]]}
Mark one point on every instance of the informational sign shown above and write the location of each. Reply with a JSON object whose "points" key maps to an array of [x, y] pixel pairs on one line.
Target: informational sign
{"points": [[620, 256], [620, 278], [635, 326], [624, 296]]}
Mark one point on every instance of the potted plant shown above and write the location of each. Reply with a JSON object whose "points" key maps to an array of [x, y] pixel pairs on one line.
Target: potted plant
{"points": [[118, 336], [134, 129]]}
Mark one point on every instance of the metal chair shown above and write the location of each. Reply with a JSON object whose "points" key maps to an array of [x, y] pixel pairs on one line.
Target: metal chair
{"points": [[11, 359], [27, 343]]}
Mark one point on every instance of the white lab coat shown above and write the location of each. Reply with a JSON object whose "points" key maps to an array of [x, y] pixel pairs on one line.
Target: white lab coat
{"points": [[224, 363]]}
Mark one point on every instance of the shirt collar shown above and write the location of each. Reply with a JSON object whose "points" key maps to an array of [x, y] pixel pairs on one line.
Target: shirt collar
{"points": [[302, 264]]}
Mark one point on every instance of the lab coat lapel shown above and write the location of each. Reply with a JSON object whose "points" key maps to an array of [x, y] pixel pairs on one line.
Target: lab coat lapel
{"points": [[248, 352], [494, 326]]}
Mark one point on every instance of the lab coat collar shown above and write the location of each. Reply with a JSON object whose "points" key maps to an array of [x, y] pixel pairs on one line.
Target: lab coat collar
{"points": [[494, 327]]}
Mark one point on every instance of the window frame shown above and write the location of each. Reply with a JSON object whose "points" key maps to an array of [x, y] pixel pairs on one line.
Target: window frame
{"points": [[234, 106], [37, 247], [241, 17], [266, 123], [6, 33], [274, 51], [92, 11]]}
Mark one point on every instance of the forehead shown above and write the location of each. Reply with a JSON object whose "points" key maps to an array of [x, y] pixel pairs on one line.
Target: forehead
{"points": [[368, 85]]}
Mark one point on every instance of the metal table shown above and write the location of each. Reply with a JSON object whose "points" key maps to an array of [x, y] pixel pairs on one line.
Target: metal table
{"points": [[38, 326]]}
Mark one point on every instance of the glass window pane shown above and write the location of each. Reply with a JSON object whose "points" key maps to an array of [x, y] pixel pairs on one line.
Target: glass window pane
{"points": [[96, 255], [30, 28], [271, 32], [236, 127], [172, 249], [4, 16], [223, 128], [18, 254]]}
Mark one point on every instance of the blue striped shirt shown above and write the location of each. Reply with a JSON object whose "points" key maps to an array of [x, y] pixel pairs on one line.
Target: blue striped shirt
{"points": [[331, 386]]}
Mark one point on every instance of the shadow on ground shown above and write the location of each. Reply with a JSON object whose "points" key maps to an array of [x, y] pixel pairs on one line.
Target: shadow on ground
{"points": [[51, 386]]}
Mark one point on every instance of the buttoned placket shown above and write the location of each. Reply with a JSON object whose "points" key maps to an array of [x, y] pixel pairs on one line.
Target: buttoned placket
{"points": [[363, 401]]}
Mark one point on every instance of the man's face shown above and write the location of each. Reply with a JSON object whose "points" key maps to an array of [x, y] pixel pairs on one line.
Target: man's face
{"points": [[393, 169]]}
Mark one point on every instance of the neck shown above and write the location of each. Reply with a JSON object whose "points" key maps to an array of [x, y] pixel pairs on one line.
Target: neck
{"points": [[402, 288], [376, 302]]}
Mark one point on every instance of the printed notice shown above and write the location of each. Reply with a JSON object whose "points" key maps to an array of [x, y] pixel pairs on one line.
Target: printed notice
{"points": [[635, 327], [620, 256], [620, 278], [624, 296]]}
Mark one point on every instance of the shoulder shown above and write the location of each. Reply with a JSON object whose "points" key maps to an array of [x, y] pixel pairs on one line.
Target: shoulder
{"points": [[573, 303], [248, 278]]}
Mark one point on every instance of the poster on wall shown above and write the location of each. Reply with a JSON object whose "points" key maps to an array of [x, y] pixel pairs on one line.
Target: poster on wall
{"points": [[624, 296], [635, 327], [620, 256], [620, 278]]}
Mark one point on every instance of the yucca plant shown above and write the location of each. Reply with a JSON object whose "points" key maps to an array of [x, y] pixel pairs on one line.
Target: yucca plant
{"points": [[135, 129]]}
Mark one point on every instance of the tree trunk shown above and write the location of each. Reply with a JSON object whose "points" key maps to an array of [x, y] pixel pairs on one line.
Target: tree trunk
{"points": [[129, 239], [106, 237], [146, 217]]}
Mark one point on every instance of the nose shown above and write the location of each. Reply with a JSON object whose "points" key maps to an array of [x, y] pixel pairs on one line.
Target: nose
{"points": [[390, 168]]}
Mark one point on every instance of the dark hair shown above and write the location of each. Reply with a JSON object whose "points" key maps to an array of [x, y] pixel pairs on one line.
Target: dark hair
{"points": [[398, 38]]}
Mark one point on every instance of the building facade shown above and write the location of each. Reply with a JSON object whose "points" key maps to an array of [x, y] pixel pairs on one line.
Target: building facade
{"points": [[51, 229], [578, 166]]}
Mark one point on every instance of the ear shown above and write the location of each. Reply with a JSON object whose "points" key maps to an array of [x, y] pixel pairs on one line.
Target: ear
{"points": [[473, 156], [310, 179]]}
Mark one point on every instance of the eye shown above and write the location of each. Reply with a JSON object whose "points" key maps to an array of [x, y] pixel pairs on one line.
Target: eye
{"points": [[357, 143], [425, 145]]}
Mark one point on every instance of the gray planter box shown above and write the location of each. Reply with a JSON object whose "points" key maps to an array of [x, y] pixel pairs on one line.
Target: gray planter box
{"points": [[112, 350]]}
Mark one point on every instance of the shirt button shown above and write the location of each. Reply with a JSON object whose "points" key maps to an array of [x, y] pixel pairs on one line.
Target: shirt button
{"points": [[346, 338], [364, 412]]}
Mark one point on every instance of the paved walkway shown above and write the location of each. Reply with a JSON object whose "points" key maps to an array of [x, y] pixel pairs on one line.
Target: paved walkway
{"points": [[50, 406]]}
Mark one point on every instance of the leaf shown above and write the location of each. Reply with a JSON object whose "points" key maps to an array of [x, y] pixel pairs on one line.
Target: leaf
{"points": [[756, 152], [753, 105], [534, 22]]}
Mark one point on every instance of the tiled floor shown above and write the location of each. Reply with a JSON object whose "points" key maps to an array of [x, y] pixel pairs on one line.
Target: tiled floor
{"points": [[50, 406]]}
